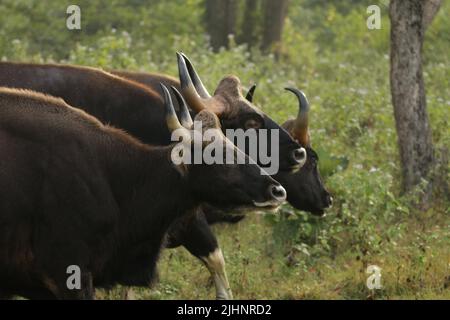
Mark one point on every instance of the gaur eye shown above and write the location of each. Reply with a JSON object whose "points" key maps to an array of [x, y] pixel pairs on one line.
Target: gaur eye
{"points": [[252, 124], [180, 153]]}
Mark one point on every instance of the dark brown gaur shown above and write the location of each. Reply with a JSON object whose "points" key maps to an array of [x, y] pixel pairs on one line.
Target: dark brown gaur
{"points": [[305, 190], [138, 109], [74, 192]]}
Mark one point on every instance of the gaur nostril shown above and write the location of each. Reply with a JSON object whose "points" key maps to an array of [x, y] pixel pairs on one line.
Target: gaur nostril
{"points": [[278, 193], [299, 155]]}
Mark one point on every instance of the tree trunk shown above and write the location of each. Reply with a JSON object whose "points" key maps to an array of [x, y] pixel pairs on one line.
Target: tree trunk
{"points": [[248, 35], [220, 18], [431, 7], [274, 16], [408, 92], [230, 18]]}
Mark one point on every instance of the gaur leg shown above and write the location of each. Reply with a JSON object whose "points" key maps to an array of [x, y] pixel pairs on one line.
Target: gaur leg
{"points": [[214, 215], [63, 272], [194, 233], [59, 288], [215, 263]]}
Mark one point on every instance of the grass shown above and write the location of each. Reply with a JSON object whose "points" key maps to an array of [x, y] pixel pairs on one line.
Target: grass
{"points": [[416, 267]]}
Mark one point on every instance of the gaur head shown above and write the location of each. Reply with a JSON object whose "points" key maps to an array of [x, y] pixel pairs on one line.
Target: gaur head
{"points": [[305, 188], [224, 182], [237, 112]]}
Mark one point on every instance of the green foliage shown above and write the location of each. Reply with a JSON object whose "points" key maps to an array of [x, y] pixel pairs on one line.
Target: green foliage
{"points": [[152, 25], [343, 67]]}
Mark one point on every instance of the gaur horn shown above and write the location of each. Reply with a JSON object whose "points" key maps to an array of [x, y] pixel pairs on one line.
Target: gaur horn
{"points": [[185, 116], [250, 93], [201, 90], [187, 87], [171, 116], [300, 129]]}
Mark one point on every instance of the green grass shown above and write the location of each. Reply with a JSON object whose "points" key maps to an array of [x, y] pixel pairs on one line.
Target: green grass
{"points": [[416, 267]]}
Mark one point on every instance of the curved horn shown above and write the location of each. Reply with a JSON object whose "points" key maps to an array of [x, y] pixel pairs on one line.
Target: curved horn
{"points": [[185, 116], [201, 90], [171, 116], [300, 130], [187, 87], [250, 93]]}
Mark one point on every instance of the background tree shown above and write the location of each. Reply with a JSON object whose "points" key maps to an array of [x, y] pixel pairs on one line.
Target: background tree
{"points": [[274, 15], [246, 19], [250, 23], [220, 18], [409, 20]]}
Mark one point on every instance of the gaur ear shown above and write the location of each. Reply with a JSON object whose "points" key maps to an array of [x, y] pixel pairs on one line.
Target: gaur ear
{"points": [[181, 157], [208, 120]]}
